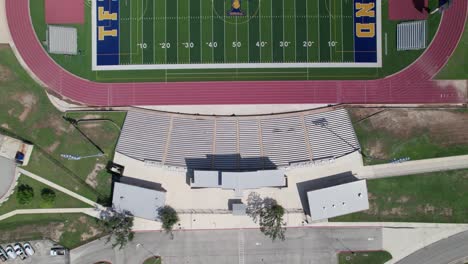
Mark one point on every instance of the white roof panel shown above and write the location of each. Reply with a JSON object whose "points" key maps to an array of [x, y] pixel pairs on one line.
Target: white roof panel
{"points": [[141, 202], [338, 200]]}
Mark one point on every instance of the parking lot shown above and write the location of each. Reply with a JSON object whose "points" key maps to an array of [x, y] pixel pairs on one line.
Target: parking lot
{"points": [[41, 255]]}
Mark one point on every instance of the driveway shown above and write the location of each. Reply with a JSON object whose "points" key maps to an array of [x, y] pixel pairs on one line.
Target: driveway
{"points": [[7, 176], [302, 245], [445, 251]]}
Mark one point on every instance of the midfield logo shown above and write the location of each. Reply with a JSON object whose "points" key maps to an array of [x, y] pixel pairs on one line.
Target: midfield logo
{"points": [[236, 11]]}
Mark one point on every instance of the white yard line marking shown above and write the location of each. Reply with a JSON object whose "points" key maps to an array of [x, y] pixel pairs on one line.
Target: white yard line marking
{"points": [[189, 34], [177, 43], [260, 29], [295, 33], [307, 35], [237, 41], [318, 27], [142, 32], [248, 32], [201, 32], [212, 32], [271, 27], [154, 35], [284, 48], [330, 21], [342, 39], [130, 40]]}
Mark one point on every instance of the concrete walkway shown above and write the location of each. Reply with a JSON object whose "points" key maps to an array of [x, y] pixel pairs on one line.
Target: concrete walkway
{"points": [[5, 36], [60, 188], [413, 167]]}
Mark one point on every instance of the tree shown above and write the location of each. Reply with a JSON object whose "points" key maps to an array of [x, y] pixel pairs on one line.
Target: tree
{"points": [[119, 226], [25, 194], [48, 195], [168, 217], [271, 221], [268, 213]]}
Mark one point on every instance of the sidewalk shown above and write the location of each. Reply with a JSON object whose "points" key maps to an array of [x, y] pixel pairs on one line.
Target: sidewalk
{"points": [[60, 188], [5, 36], [413, 167]]}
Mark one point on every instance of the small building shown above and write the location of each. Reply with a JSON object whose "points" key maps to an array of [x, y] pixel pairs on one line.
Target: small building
{"points": [[140, 201], [15, 150], [338, 200], [238, 181], [62, 40]]}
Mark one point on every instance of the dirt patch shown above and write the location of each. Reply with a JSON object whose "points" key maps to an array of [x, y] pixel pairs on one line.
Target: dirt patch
{"points": [[377, 150], [91, 178], [358, 114], [426, 209], [5, 74], [90, 125], [53, 147], [4, 46], [5, 125], [57, 124], [92, 232], [28, 101], [446, 212], [398, 211], [403, 199], [91, 116], [444, 126], [52, 230], [82, 219]]}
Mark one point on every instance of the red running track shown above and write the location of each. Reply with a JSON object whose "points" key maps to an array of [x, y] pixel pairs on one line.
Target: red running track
{"points": [[411, 85]]}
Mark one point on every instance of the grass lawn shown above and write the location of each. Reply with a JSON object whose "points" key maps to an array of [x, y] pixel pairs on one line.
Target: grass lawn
{"points": [[80, 65], [371, 257], [70, 230], [153, 260], [438, 197], [26, 113], [61, 200], [457, 66], [413, 133]]}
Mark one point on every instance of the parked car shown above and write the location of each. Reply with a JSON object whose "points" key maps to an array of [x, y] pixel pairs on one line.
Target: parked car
{"points": [[20, 251], [10, 252], [28, 249], [3, 255], [58, 251]]}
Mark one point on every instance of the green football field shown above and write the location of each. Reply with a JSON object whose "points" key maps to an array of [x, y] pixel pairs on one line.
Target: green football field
{"points": [[204, 31]]}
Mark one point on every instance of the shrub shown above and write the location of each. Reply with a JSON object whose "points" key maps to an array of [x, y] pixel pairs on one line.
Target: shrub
{"points": [[48, 195], [25, 194]]}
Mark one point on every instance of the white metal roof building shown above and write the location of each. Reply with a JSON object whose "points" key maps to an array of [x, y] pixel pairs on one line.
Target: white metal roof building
{"points": [[62, 40], [338, 200], [412, 35], [141, 202], [238, 181]]}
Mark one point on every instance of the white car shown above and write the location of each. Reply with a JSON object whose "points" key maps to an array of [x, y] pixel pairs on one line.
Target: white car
{"points": [[11, 253], [20, 251], [28, 249], [58, 251]]}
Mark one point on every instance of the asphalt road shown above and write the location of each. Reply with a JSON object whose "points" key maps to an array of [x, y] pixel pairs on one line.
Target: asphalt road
{"points": [[441, 252], [302, 245]]}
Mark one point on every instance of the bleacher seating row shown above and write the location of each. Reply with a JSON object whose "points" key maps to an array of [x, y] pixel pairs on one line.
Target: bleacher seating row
{"points": [[236, 143]]}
